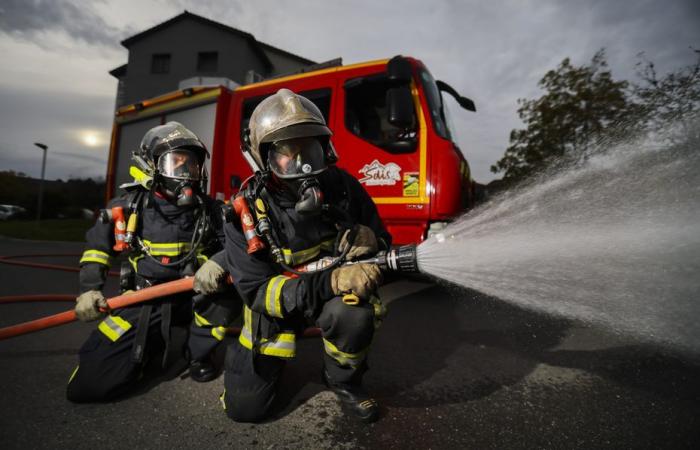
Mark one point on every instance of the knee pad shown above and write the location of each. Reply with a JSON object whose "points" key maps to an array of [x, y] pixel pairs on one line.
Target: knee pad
{"points": [[351, 318], [348, 326]]}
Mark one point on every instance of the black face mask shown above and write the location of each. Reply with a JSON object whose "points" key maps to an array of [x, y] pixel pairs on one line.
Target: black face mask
{"points": [[310, 197], [180, 192], [305, 193]]}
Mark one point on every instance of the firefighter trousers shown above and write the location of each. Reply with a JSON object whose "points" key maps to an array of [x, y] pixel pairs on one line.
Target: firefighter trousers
{"points": [[250, 380], [212, 314], [115, 356]]}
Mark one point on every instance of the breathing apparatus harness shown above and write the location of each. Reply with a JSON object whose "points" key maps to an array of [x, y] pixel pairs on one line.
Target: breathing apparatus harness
{"points": [[125, 225], [261, 233]]}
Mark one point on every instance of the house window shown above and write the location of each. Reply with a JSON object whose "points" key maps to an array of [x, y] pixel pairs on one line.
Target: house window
{"points": [[207, 61], [160, 63]]}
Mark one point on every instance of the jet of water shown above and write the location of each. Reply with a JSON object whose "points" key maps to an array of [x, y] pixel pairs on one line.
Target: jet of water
{"points": [[612, 239]]}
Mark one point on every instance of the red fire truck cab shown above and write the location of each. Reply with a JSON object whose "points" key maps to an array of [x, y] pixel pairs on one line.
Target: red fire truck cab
{"points": [[389, 128]]}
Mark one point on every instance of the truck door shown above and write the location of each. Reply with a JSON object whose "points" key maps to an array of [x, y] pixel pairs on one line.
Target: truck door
{"points": [[389, 162]]}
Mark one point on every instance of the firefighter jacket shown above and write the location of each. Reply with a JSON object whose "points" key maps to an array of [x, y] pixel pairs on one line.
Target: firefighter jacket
{"points": [[166, 231], [275, 302]]}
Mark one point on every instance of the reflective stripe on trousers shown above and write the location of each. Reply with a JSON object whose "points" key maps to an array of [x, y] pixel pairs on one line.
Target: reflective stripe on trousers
{"points": [[344, 358], [282, 345], [218, 332], [114, 327]]}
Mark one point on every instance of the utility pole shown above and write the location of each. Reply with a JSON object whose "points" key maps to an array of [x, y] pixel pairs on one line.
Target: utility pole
{"points": [[44, 147]]}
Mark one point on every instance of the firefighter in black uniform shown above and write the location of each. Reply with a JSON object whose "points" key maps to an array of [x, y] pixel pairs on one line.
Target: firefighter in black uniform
{"points": [[172, 228], [309, 214]]}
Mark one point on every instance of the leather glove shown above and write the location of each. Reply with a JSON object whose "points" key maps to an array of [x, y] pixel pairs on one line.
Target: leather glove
{"points": [[88, 304], [209, 279], [359, 279], [365, 243]]}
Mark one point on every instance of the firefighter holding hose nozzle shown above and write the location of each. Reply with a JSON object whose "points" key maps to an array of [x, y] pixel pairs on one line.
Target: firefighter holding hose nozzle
{"points": [[297, 209], [167, 227]]}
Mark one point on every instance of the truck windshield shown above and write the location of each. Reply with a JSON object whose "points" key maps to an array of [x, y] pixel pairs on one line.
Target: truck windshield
{"points": [[434, 99]]}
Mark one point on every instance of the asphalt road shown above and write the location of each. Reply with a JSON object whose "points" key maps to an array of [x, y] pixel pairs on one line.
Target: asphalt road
{"points": [[451, 368]]}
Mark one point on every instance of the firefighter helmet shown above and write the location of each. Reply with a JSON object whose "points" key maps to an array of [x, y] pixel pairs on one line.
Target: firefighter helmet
{"points": [[173, 157], [171, 136], [286, 116]]}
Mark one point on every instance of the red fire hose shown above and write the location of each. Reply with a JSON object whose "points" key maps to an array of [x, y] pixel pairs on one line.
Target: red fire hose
{"points": [[120, 301]]}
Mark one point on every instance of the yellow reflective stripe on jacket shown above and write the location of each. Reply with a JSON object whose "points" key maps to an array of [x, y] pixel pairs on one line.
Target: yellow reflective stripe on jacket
{"points": [[302, 256], [345, 359], [219, 333], [114, 327], [282, 345], [167, 248], [273, 293], [200, 321], [96, 256]]}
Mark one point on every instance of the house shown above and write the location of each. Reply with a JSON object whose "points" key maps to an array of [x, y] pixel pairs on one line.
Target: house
{"points": [[189, 50]]}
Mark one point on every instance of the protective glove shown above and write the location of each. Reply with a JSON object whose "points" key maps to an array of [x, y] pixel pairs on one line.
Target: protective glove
{"points": [[359, 279], [210, 278], [88, 304], [365, 243]]}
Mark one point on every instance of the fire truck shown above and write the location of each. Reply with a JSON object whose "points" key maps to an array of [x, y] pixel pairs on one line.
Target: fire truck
{"points": [[390, 128]]}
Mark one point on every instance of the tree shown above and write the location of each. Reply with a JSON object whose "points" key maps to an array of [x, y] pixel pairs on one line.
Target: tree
{"points": [[673, 100], [579, 103]]}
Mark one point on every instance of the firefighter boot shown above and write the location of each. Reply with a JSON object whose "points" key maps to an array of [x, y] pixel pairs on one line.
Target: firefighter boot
{"points": [[354, 399], [202, 371]]}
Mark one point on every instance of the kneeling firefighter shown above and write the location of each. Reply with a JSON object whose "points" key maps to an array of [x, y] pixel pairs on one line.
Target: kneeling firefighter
{"points": [[296, 213], [166, 227]]}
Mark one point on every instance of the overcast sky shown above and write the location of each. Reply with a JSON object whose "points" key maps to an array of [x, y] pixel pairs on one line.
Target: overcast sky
{"points": [[55, 89]]}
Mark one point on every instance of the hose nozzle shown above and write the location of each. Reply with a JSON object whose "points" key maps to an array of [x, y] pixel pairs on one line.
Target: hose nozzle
{"points": [[402, 259]]}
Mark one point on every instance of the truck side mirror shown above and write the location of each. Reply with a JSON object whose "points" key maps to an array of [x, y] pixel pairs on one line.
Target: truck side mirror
{"points": [[399, 103], [464, 102], [399, 70]]}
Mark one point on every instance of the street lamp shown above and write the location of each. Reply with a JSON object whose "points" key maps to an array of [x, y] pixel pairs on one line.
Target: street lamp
{"points": [[44, 147]]}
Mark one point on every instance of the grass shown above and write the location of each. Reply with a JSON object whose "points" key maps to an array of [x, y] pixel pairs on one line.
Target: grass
{"points": [[46, 230]]}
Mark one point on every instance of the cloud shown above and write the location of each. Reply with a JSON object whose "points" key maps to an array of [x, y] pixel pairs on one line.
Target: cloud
{"points": [[492, 52], [38, 115], [102, 161], [32, 19]]}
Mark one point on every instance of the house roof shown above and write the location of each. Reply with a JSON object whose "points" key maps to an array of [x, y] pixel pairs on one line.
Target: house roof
{"points": [[258, 47], [284, 52], [119, 72]]}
